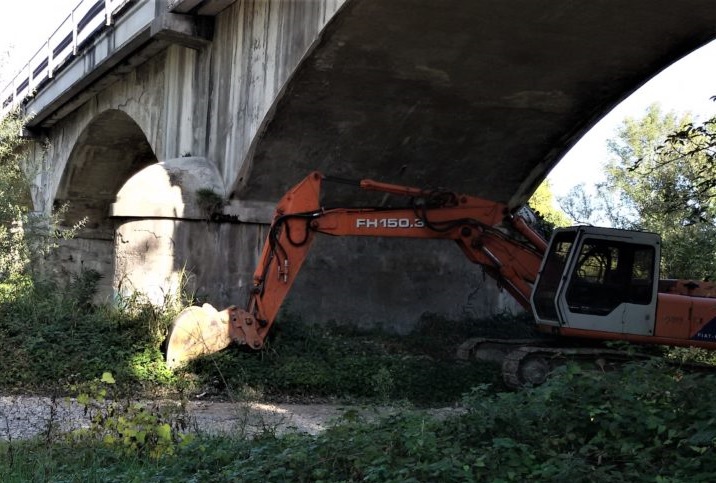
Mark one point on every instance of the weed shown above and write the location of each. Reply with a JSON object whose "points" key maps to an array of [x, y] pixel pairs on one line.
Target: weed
{"points": [[209, 201], [49, 334], [647, 423], [135, 428], [383, 384], [308, 362]]}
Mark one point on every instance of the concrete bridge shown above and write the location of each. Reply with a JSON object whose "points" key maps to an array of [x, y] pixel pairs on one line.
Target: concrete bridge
{"points": [[156, 113]]}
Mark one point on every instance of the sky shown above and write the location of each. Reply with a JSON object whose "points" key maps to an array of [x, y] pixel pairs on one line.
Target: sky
{"points": [[25, 25], [685, 86]]}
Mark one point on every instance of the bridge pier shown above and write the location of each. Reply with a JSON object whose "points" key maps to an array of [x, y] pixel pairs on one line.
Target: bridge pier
{"points": [[166, 237]]}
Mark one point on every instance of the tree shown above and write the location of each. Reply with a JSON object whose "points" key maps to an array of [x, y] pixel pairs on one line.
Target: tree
{"points": [[15, 202], [595, 205], [25, 237], [661, 177], [695, 144], [544, 204]]}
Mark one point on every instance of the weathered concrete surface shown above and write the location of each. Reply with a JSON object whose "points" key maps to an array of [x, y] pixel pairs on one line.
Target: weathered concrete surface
{"points": [[217, 261], [479, 96], [392, 283], [482, 96], [143, 29], [256, 49], [148, 115], [98, 147]]}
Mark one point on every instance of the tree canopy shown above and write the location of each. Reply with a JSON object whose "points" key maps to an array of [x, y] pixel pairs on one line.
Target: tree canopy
{"points": [[14, 196], [543, 202], [660, 177]]}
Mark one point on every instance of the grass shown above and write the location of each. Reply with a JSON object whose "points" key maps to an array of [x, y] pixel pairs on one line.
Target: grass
{"points": [[57, 341], [307, 362], [649, 422]]}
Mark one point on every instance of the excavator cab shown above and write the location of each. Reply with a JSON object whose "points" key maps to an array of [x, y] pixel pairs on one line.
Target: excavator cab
{"points": [[598, 281]]}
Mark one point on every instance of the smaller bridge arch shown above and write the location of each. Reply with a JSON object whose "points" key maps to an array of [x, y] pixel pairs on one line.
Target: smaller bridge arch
{"points": [[110, 149]]}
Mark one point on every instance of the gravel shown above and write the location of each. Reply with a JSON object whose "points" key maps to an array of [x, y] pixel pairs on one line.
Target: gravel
{"points": [[23, 417]]}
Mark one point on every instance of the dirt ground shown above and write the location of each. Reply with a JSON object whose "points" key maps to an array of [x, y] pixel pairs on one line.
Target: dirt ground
{"points": [[23, 417]]}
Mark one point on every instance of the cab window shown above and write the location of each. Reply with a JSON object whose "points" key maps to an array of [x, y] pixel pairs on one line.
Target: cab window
{"points": [[609, 273], [551, 276]]}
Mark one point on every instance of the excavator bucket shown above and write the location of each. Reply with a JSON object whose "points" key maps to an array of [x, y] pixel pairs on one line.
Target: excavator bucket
{"points": [[197, 331]]}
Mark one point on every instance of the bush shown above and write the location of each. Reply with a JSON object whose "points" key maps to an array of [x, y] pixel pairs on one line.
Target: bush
{"points": [[54, 338], [645, 423]]}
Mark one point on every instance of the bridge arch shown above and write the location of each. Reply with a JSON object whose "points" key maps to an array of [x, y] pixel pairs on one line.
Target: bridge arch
{"points": [[142, 213], [484, 97], [108, 151]]}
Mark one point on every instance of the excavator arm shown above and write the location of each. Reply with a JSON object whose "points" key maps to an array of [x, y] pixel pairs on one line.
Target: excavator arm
{"points": [[502, 243]]}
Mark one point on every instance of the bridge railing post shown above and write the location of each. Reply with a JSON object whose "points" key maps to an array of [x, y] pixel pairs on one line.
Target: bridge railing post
{"points": [[108, 12], [30, 80], [74, 30], [50, 66]]}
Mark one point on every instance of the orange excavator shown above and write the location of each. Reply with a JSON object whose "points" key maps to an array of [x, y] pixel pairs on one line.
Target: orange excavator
{"points": [[587, 283]]}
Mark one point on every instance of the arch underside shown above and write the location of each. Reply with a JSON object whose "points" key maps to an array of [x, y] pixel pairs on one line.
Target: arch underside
{"points": [[483, 97], [108, 152]]}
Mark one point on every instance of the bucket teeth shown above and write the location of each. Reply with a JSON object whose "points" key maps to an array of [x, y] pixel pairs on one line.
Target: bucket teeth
{"points": [[197, 331]]}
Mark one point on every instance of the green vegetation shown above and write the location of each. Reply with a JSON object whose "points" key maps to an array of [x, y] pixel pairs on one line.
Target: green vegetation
{"points": [[544, 204], [660, 178], [210, 202], [645, 423], [49, 335], [648, 422], [664, 190], [307, 362], [55, 338], [14, 198]]}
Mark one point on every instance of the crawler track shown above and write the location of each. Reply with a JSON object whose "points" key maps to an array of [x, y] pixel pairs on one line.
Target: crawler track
{"points": [[529, 362]]}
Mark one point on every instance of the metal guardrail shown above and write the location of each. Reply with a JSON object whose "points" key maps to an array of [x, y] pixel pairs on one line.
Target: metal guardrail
{"points": [[87, 19]]}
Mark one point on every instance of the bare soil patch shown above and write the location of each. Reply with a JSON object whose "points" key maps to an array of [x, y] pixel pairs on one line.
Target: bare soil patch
{"points": [[23, 417]]}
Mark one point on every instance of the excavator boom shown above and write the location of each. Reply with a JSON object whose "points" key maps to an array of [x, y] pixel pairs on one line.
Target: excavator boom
{"points": [[487, 233], [589, 283]]}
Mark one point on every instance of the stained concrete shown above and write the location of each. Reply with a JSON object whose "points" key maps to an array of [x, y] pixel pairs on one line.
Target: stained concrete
{"points": [[482, 96]]}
